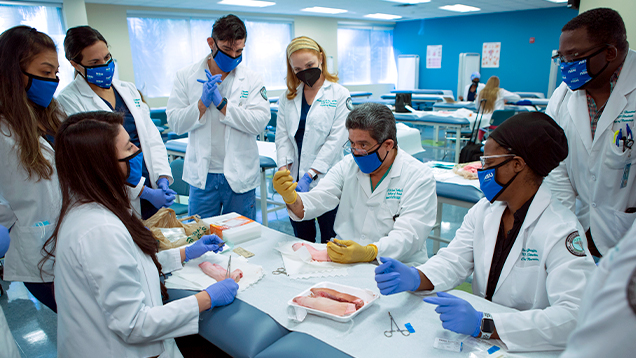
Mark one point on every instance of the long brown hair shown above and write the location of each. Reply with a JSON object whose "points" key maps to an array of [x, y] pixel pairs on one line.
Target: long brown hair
{"points": [[304, 43], [88, 170], [24, 119], [490, 93]]}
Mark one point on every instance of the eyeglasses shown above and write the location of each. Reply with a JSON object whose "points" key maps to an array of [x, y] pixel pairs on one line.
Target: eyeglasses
{"points": [[559, 57], [483, 158], [362, 150]]}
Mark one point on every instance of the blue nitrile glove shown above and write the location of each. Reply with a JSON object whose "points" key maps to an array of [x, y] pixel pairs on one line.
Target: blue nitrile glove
{"points": [[157, 197], [163, 184], [211, 92], [393, 277], [204, 244], [5, 240], [304, 183], [223, 292], [457, 315]]}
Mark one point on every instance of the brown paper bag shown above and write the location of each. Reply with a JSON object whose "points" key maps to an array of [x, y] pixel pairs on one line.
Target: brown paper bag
{"points": [[166, 218]]}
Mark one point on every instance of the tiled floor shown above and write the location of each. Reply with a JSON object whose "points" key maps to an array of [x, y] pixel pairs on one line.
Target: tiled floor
{"points": [[34, 326]]}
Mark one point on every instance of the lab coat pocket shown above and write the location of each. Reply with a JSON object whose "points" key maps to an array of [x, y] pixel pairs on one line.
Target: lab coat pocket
{"points": [[387, 213], [617, 158], [523, 282], [29, 237], [622, 223]]}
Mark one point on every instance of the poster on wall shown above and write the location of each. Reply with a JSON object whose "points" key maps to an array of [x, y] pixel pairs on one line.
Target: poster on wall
{"points": [[490, 54], [434, 56]]}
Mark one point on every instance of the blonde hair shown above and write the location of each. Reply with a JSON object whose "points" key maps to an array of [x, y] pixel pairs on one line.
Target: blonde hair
{"points": [[489, 93], [304, 43]]}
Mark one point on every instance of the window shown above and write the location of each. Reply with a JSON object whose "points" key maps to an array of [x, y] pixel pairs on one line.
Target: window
{"points": [[365, 56], [47, 19], [162, 46]]}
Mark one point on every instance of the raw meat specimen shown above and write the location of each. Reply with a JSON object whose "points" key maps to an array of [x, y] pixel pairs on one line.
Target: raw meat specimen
{"points": [[218, 272], [337, 296], [317, 255], [326, 305]]}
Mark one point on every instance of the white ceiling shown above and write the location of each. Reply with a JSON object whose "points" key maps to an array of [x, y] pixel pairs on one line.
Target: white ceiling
{"points": [[356, 8]]}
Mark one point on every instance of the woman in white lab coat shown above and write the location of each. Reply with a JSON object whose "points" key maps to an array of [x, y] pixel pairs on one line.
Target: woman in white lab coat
{"points": [[29, 118], [523, 247], [495, 99], [107, 268], [95, 89], [310, 128]]}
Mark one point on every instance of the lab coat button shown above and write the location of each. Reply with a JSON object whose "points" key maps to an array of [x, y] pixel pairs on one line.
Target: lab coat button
{"points": [[593, 177], [593, 205]]}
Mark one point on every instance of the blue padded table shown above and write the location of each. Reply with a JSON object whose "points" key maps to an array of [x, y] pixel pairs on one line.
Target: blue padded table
{"points": [[418, 98], [540, 102], [360, 94], [445, 93], [359, 101], [297, 344], [273, 107], [441, 106], [530, 94], [273, 99], [430, 119]]}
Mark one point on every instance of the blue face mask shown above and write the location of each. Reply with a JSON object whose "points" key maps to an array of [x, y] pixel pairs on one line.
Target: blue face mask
{"points": [[489, 185], [575, 74], [134, 163], [101, 75], [370, 162], [40, 90], [226, 62]]}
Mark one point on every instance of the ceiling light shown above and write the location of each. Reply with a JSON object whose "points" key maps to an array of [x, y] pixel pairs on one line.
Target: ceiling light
{"points": [[251, 3], [383, 16], [459, 8], [324, 10], [411, 1]]}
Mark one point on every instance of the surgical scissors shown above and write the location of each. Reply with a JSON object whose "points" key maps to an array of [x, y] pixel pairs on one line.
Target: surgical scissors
{"points": [[390, 333], [280, 271], [229, 267]]}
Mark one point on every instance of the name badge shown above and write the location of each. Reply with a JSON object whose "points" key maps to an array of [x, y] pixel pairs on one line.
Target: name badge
{"points": [[625, 175]]}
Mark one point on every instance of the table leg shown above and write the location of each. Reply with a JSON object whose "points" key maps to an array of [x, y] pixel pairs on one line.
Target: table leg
{"points": [[263, 197], [457, 137]]}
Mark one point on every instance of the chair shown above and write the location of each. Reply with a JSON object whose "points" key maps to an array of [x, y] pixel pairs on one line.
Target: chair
{"points": [[499, 116], [180, 186], [270, 130]]}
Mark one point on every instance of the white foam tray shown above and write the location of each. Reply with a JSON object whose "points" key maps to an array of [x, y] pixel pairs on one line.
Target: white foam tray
{"points": [[367, 296]]}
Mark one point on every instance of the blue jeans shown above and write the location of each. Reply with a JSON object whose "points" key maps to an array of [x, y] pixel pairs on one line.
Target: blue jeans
{"points": [[218, 198]]}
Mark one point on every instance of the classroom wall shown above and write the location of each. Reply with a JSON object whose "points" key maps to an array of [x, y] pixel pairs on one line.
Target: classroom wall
{"points": [[111, 21], [523, 66], [627, 9]]}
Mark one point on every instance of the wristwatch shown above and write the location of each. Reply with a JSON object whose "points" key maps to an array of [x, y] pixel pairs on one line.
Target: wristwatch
{"points": [[312, 174], [487, 326], [222, 104]]}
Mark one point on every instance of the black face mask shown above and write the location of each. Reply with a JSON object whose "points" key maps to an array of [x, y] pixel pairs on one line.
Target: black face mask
{"points": [[309, 76]]}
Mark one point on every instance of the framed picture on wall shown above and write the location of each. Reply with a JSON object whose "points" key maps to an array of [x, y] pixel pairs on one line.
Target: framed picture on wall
{"points": [[490, 54]]}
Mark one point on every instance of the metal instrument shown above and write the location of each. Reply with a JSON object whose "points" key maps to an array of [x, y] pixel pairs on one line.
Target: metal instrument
{"points": [[280, 271], [229, 267], [390, 332]]}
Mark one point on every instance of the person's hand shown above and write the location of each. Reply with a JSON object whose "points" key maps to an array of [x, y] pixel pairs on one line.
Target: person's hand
{"points": [[204, 244], [456, 314], [304, 183], [157, 197], [393, 277], [211, 92], [285, 186], [163, 184], [352, 253], [222, 293]]}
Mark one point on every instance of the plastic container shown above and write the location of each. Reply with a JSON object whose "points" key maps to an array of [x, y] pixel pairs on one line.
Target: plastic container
{"points": [[367, 296], [234, 228]]}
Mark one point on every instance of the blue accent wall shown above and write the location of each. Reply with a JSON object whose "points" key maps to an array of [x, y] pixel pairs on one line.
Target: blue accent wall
{"points": [[523, 66]]}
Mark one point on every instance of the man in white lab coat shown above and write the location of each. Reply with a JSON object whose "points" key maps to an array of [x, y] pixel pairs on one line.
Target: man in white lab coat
{"points": [[596, 107], [523, 247], [607, 319], [224, 106], [387, 198]]}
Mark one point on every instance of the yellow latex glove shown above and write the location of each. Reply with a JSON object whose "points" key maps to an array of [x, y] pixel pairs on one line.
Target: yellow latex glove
{"points": [[285, 186], [352, 253]]}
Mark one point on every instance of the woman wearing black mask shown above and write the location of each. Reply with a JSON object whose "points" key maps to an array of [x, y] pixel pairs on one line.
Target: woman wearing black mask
{"points": [[310, 130], [29, 118]]}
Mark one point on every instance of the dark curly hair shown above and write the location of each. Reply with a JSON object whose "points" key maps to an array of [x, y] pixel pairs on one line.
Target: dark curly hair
{"points": [[603, 25]]}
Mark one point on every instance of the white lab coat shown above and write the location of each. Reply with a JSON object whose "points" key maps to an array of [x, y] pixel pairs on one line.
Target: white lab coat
{"points": [[8, 348], [547, 291], [607, 323], [247, 114], [325, 131], [593, 170], [108, 294], [397, 217], [28, 201], [480, 86], [78, 96]]}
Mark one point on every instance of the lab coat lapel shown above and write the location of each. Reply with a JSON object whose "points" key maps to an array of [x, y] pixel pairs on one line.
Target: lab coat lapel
{"points": [[395, 171], [538, 205], [128, 100], [577, 107], [364, 182], [86, 91], [239, 76], [298, 101], [296, 120], [490, 229]]}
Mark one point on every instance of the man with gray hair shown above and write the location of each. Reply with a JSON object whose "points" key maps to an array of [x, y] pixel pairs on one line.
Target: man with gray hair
{"points": [[387, 198]]}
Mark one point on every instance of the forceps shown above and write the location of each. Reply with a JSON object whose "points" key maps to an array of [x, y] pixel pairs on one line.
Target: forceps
{"points": [[229, 267], [390, 333]]}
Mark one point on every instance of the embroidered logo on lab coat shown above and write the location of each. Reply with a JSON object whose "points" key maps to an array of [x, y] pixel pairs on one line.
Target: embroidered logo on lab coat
{"points": [[244, 94], [349, 104], [574, 244], [264, 93], [625, 116], [328, 102], [529, 255], [137, 102], [393, 194], [631, 291]]}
